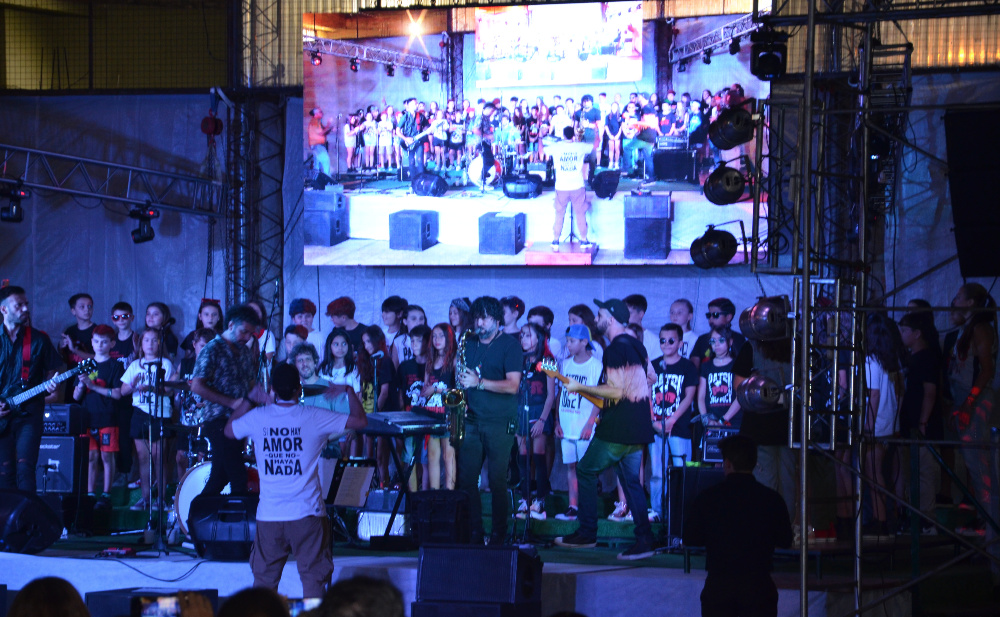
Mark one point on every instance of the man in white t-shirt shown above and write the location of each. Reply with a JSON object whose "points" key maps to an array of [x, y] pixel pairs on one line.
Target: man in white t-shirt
{"points": [[569, 157], [291, 517], [576, 415]]}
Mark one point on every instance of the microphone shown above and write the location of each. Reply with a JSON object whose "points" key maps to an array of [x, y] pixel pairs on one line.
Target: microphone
{"points": [[378, 354], [169, 322]]}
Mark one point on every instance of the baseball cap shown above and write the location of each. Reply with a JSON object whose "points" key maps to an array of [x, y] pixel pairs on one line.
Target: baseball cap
{"points": [[616, 307], [581, 332]]}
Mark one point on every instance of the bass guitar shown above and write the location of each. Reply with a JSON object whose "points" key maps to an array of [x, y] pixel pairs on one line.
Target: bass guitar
{"points": [[548, 366], [16, 395]]}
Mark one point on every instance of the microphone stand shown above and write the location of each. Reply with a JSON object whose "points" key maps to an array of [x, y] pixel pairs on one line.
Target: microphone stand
{"points": [[159, 545]]}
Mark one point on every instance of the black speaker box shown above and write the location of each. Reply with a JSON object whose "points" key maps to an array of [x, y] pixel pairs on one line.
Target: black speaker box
{"points": [[63, 420], [685, 483], [675, 165], [647, 238], [605, 183], [325, 218], [522, 187], [118, 602], [544, 172], [486, 575], [501, 234], [648, 206], [429, 185], [27, 525], [975, 204], [60, 462], [440, 517], [413, 230], [473, 609], [223, 527]]}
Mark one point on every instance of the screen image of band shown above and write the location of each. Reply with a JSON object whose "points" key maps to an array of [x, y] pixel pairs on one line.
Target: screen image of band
{"points": [[517, 135]]}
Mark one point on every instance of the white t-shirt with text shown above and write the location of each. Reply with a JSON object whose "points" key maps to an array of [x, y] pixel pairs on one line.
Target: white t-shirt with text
{"points": [[568, 158], [143, 373], [574, 410]]}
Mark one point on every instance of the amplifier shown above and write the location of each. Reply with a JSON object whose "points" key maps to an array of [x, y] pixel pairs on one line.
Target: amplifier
{"points": [[60, 459], [710, 443], [664, 142], [676, 165], [63, 420]]}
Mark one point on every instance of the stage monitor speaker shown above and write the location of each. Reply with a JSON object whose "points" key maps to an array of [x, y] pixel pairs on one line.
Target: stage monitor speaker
{"points": [[522, 187], [223, 527], [684, 484], [413, 230], [440, 517], [975, 202], [488, 575], [502, 233], [322, 181], [63, 420], [648, 206], [605, 183], [27, 525], [326, 218], [472, 609], [543, 171], [118, 602], [675, 165], [60, 460], [647, 238], [429, 185]]}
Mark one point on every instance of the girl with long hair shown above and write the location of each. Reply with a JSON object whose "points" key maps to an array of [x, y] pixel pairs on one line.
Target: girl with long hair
{"points": [[440, 377], [536, 397], [459, 317], [157, 316], [209, 316], [372, 370], [339, 368]]}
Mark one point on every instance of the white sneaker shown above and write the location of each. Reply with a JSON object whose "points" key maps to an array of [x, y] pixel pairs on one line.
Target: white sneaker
{"points": [[522, 509], [653, 516], [621, 511], [537, 510]]}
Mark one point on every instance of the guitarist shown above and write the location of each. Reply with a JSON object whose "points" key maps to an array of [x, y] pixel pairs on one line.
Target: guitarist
{"points": [[409, 132], [27, 358]]}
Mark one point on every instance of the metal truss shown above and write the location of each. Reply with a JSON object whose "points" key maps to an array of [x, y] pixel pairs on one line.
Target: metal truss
{"points": [[261, 44], [111, 182], [369, 53], [715, 39], [889, 10]]}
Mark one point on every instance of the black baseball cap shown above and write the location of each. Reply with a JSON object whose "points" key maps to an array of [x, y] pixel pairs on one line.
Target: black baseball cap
{"points": [[616, 307]]}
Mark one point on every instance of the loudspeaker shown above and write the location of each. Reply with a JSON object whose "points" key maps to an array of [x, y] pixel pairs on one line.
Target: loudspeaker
{"points": [[975, 205], [648, 206], [63, 420], [440, 517], [27, 525], [488, 575], [118, 602], [413, 230], [543, 171], [471, 609], [325, 218], [685, 483], [223, 527], [675, 165], [522, 187], [605, 183], [429, 185], [60, 460], [321, 181], [501, 234], [647, 238]]}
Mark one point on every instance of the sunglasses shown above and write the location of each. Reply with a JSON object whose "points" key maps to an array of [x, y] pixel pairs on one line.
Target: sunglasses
{"points": [[717, 341], [667, 341], [121, 317], [715, 314]]}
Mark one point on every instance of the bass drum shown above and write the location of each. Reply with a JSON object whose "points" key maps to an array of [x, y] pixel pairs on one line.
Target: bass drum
{"points": [[193, 483], [493, 175]]}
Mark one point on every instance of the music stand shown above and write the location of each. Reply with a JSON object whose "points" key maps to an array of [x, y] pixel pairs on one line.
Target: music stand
{"points": [[352, 480]]}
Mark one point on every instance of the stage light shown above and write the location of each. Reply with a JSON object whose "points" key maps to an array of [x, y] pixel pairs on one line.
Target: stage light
{"points": [[144, 232], [767, 320], [390, 70], [682, 66], [706, 56], [734, 46], [714, 249], [768, 54], [315, 58], [733, 127], [425, 75], [354, 65], [415, 28], [725, 185], [759, 394], [13, 212]]}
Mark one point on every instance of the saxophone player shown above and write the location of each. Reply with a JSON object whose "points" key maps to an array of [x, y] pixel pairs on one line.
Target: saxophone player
{"points": [[491, 377]]}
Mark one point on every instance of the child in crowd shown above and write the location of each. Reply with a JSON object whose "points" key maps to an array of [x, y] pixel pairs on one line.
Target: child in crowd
{"points": [[293, 336], [392, 317], [543, 316], [536, 398], [374, 366], [98, 391], [402, 350], [75, 343], [439, 378], [410, 387], [209, 316], [682, 313], [716, 395], [303, 312], [459, 317], [339, 367], [513, 310], [157, 319]]}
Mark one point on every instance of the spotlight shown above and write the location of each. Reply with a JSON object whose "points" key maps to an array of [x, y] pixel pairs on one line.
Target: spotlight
{"points": [[144, 232], [13, 212], [425, 75], [354, 65], [767, 320], [725, 185], [315, 58], [733, 127], [714, 249], [734, 46], [760, 394], [768, 54], [682, 66], [390, 70], [706, 56]]}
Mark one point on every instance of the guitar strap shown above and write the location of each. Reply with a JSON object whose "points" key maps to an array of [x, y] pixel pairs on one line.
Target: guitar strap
{"points": [[26, 356]]}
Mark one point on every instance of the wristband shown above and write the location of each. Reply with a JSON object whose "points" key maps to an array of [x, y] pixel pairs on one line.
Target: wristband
{"points": [[481, 385]]}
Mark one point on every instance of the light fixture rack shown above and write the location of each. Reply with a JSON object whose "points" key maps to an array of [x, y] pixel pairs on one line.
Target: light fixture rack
{"points": [[369, 53]]}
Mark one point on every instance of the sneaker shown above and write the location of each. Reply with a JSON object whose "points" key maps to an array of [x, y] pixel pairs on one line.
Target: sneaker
{"points": [[639, 550], [586, 245], [522, 509], [135, 485], [537, 510], [654, 516], [966, 504], [568, 515], [928, 530], [555, 246], [575, 540], [621, 509], [139, 506], [628, 517], [977, 529]]}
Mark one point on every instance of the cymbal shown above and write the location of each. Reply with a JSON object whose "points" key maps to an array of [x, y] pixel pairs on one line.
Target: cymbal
{"points": [[311, 389], [177, 385]]}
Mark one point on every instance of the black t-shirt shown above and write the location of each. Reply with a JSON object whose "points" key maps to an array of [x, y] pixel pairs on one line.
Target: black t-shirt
{"points": [[924, 367], [101, 409], [82, 341], [493, 360], [410, 383], [384, 371], [43, 359], [627, 421], [703, 350], [533, 388], [356, 334], [444, 375], [672, 380], [719, 391], [123, 351]]}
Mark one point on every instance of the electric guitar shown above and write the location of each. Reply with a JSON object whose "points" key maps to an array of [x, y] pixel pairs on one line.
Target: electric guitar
{"points": [[548, 366], [411, 143], [16, 395]]}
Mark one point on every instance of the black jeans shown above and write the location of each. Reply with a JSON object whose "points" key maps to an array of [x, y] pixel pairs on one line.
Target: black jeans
{"points": [[488, 440], [752, 595], [227, 461], [19, 451]]}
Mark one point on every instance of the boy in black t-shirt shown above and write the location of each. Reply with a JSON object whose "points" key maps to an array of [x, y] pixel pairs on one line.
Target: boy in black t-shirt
{"points": [[98, 392], [75, 344]]}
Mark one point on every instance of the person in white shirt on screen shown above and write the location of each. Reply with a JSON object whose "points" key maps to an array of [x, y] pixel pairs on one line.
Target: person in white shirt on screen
{"points": [[569, 157]]}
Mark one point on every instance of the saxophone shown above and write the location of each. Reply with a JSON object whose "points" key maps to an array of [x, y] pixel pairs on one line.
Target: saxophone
{"points": [[454, 400]]}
